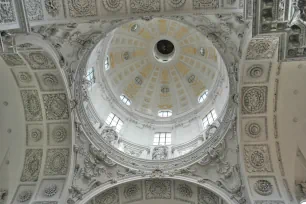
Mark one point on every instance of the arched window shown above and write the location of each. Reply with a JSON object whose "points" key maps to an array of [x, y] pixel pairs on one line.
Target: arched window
{"points": [[191, 79], [165, 113], [106, 63], [114, 121], [125, 100], [203, 96], [162, 138], [209, 118], [138, 80], [165, 89], [90, 75]]}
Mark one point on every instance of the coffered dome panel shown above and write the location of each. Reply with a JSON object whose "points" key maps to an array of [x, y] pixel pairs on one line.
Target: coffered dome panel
{"points": [[160, 64]]}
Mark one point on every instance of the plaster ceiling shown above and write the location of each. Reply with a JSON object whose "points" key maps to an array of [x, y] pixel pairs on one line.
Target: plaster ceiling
{"points": [[131, 54], [161, 191]]}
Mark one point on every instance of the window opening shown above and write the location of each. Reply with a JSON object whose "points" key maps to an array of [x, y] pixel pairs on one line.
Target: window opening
{"points": [[114, 121], [162, 138], [90, 75], [138, 80], [203, 96], [106, 63], [165, 114], [209, 118], [125, 100]]}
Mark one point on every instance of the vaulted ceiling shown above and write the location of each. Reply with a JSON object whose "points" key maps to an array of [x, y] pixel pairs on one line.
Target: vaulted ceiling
{"points": [[47, 151], [164, 85]]}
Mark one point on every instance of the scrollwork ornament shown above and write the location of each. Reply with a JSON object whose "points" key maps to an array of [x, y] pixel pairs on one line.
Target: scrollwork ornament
{"points": [[52, 7], [263, 187], [112, 5], [176, 3]]}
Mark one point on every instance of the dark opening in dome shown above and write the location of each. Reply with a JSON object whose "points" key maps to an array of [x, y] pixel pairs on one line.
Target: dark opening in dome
{"points": [[165, 47]]}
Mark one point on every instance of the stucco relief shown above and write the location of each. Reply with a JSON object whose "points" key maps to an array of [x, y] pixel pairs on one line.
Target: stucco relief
{"points": [[110, 196], [56, 106], [7, 12], [57, 162], [183, 192], [257, 73], [176, 3], [160, 153], [53, 7], [23, 77], [254, 129], [206, 197], [12, 60], [263, 187], [140, 6], [113, 5], [31, 104], [257, 158], [82, 8], [205, 4], [269, 202], [24, 196], [39, 60], [261, 48], [132, 192], [46, 202], [35, 134], [254, 99], [31, 168], [158, 189], [34, 10], [50, 81]]}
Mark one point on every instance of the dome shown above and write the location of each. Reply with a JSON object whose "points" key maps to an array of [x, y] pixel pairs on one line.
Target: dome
{"points": [[157, 86], [160, 65]]}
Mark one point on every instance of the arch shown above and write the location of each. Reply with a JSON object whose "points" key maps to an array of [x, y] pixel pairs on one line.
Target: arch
{"points": [[45, 89], [122, 158], [207, 185], [259, 122]]}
